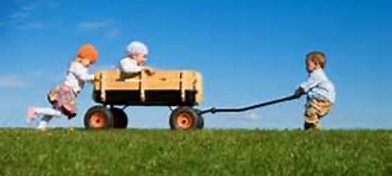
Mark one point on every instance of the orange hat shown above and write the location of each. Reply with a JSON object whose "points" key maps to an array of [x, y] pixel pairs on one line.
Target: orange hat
{"points": [[87, 51]]}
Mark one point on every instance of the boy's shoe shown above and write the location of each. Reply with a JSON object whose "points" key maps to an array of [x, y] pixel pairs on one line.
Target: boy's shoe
{"points": [[31, 114]]}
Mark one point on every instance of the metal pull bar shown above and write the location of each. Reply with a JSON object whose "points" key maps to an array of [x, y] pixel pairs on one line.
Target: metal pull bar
{"points": [[217, 110]]}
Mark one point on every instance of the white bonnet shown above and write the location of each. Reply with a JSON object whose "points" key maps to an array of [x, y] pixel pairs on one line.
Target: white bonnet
{"points": [[137, 47]]}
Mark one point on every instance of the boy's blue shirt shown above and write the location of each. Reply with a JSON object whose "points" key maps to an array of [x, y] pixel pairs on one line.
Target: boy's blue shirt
{"points": [[319, 86]]}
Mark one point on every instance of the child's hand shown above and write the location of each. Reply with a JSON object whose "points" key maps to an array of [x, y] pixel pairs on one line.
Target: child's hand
{"points": [[97, 79], [299, 92], [149, 70]]}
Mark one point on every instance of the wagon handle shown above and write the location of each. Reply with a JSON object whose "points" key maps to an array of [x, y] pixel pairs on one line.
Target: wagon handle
{"points": [[246, 108]]}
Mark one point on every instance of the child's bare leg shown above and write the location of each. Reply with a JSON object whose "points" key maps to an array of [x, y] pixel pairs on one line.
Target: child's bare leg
{"points": [[34, 112], [49, 112], [44, 122]]}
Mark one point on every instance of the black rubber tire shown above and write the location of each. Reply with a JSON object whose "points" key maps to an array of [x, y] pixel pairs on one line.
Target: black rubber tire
{"points": [[200, 125], [120, 119], [185, 118], [98, 117]]}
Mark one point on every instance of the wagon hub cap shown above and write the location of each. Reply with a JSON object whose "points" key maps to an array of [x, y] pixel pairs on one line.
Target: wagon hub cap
{"points": [[97, 120], [184, 121]]}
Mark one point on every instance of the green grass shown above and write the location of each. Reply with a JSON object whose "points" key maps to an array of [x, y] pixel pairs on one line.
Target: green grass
{"points": [[207, 152]]}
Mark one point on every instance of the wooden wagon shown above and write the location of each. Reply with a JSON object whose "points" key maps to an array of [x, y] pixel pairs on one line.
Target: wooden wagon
{"points": [[112, 90]]}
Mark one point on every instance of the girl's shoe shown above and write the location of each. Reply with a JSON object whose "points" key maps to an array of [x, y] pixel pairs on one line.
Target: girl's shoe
{"points": [[31, 114], [41, 128], [42, 125]]}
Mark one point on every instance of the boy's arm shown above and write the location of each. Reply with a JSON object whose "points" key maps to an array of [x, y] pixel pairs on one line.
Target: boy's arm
{"points": [[299, 92], [311, 82], [304, 87]]}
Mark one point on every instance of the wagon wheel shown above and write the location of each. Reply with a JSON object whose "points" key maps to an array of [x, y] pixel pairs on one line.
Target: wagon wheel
{"points": [[185, 118], [98, 117], [120, 119], [200, 124]]}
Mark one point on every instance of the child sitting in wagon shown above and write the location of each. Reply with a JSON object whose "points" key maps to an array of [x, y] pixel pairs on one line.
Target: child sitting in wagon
{"points": [[135, 59]]}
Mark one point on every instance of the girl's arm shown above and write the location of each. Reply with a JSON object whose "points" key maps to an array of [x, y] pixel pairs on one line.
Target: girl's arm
{"points": [[81, 72]]}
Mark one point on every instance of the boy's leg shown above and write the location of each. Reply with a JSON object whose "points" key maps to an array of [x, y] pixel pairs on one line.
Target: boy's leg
{"points": [[311, 119], [315, 110]]}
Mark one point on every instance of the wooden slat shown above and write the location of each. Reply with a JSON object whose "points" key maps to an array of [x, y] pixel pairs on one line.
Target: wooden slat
{"points": [[162, 81], [142, 92], [103, 87], [198, 87], [111, 75], [163, 75], [188, 79], [97, 83], [161, 85], [122, 86]]}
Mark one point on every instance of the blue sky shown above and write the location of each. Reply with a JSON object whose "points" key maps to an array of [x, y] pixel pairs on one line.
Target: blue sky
{"points": [[247, 50]]}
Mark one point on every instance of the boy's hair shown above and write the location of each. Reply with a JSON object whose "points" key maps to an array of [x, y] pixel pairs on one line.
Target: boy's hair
{"points": [[317, 57]]}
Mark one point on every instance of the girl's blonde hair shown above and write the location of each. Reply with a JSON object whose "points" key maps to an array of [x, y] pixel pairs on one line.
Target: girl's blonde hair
{"points": [[317, 57]]}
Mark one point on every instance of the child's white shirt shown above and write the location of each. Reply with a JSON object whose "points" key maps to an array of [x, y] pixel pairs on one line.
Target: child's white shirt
{"points": [[318, 85], [77, 75], [128, 65]]}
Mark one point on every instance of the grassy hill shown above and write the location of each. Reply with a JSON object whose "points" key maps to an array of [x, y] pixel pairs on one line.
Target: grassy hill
{"points": [[206, 152]]}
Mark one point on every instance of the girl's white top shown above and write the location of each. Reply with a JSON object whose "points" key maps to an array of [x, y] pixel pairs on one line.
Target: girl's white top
{"points": [[128, 65], [77, 75], [319, 86]]}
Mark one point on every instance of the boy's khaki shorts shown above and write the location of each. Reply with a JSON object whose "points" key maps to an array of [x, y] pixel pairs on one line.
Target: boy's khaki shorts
{"points": [[315, 110]]}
